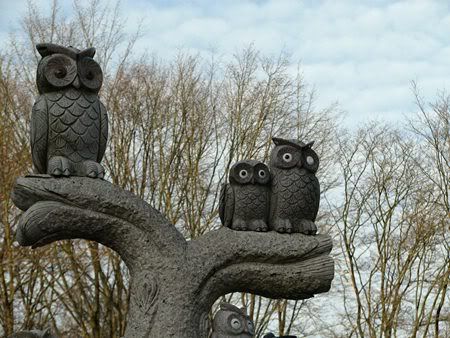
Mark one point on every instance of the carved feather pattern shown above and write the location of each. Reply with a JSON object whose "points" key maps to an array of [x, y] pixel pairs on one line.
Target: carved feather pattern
{"points": [[147, 293], [103, 132], [74, 125], [251, 201], [226, 205], [295, 195], [38, 134]]}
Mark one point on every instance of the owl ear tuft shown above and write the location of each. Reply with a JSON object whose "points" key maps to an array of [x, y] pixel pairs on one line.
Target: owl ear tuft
{"points": [[44, 49], [90, 52], [309, 144], [229, 307], [277, 140]]}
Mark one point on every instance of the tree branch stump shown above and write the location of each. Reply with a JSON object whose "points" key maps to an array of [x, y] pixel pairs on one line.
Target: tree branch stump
{"points": [[174, 282]]}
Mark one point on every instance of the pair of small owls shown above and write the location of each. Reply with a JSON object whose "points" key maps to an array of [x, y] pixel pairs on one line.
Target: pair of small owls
{"points": [[284, 198]]}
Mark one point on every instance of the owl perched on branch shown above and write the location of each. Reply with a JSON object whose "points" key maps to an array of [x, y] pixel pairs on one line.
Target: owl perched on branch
{"points": [[69, 124], [295, 192], [244, 202], [232, 322]]}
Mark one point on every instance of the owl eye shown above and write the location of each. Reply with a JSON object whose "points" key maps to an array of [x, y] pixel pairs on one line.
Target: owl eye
{"points": [[59, 70], [309, 160], [236, 324], [243, 173], [60, 73], [287, 157], [262, 174], [91, 74]]}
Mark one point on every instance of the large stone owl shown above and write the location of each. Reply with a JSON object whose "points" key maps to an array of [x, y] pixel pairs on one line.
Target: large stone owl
{"points": [[69, 124], [244, 202], [295, 192], [232, 322]]}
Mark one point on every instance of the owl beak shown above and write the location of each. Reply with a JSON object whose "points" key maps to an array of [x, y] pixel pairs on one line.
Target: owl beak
{"points": [[76, 82]]}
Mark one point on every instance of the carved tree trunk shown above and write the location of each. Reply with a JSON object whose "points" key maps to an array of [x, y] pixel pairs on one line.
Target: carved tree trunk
{"points": [[173, 282]]}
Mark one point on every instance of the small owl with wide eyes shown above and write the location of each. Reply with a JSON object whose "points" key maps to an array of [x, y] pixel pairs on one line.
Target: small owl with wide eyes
{"points": [[244, 202], [232, 322], [295, 190], [69, 124]]}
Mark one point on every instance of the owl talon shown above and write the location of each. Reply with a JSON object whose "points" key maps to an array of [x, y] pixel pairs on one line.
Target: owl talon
{"points": [[308, 227], [282, 226], [239, 225], [93, 169], [259, 226], [57, 172], [58, 166]]}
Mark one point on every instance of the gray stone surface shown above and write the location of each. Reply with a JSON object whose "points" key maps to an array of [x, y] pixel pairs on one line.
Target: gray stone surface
{"points": [[231, 321], [295, 190], [174, 282], [69, 124], [245, 201]]}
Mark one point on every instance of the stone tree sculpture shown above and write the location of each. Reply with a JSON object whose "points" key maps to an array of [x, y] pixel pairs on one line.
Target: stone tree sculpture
{"points": [[174, 282]]}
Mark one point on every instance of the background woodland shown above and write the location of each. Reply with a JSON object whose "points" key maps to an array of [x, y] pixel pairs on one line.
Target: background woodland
{"points": [[176, 126]]}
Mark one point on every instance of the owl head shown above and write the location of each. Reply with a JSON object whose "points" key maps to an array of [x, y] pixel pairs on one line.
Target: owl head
{"points": [[249, 172], [64, 67], [292, 153], [230, 321]]}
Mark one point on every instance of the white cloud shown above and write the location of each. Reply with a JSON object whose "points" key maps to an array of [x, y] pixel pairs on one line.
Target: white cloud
{"points": [[362, 53]]}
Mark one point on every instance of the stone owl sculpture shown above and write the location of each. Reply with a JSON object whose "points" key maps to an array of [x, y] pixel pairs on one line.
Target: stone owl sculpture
{"points": [[230, 321], [295, 190], [69, 124], [244, 201]]}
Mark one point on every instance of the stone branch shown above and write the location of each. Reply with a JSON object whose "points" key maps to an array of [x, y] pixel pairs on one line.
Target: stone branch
{"points": [[79, 207], [273, 265], [173, 282]]}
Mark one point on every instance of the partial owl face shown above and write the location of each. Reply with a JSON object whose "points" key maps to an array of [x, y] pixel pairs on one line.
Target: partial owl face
{"points": [[289, 154], [62, 67], [231, 321], [238, 324], [249, 172]]}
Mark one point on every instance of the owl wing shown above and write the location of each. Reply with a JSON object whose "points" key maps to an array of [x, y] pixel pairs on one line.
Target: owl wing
{"points": [[103, 132], [38, 134], [226, 204], [273, 196]]}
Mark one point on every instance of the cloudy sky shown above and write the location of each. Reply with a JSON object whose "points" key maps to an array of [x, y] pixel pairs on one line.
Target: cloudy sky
{"points": [[362, 54]]}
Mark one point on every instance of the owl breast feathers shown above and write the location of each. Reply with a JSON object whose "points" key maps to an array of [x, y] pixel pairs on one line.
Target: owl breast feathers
{"points": [[69, 124]]}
